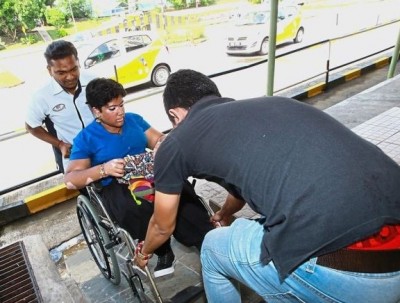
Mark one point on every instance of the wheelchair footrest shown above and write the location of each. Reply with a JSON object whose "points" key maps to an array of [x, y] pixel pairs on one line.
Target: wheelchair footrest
{"points": [[187, 295]]}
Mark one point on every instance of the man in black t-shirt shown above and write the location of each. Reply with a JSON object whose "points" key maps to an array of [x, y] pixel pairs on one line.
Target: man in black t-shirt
{"points": [[319, 187]]}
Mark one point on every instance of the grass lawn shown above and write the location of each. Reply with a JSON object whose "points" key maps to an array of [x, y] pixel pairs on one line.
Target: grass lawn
{"points": [[81, 25]]}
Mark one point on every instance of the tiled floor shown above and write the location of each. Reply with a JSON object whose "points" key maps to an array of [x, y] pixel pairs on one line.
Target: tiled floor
{"points": [[384, 131]]}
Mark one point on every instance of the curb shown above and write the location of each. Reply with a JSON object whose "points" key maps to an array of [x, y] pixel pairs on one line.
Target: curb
{"points": [[35, 203], [344, 77], [59, 193]]}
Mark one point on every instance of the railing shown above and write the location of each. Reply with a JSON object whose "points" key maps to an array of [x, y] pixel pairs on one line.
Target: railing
{"points": [[315, 62]]}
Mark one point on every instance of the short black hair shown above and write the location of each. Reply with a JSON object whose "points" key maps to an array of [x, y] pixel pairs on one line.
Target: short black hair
{"points": [[185, 87], [60, 49], [100, 91]]}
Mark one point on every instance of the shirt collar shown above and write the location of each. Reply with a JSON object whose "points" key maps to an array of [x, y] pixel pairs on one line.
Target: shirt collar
{"points": [[58, 89], [208, 101]]}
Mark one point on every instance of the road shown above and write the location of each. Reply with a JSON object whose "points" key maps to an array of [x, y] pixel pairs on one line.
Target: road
{"points": [[209, 57], [25, 157]]}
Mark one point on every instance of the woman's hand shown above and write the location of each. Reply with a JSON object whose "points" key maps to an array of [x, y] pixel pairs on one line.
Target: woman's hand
{"points": [[115, 168]]}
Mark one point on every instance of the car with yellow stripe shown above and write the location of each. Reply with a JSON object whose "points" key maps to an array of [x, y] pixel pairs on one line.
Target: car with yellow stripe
{"points": [[249, 33], [131, 58]]}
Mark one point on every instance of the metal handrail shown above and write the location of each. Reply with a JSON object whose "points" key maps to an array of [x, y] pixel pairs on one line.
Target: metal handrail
{"points": [[396, 54]]}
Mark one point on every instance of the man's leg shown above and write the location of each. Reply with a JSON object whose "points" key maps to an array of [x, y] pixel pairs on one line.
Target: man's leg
{"points": [[229, 254], [234, 252]]}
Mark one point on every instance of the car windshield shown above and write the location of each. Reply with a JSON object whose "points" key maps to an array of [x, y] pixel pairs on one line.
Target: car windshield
{"points": [[252, 18]]}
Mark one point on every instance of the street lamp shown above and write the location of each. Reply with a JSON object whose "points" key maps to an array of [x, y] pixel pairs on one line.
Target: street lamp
{"points": [[72, 15]]}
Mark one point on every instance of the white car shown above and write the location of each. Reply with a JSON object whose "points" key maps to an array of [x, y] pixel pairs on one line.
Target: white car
{"points": [[250, 32], [131, 58]]}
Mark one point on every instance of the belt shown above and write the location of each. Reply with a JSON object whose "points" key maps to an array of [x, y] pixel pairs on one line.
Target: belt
{"points": [[362, 261]]}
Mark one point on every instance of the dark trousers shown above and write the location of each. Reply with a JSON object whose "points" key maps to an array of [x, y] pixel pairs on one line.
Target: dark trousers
{"points": [[128, 214], [192, 221]]}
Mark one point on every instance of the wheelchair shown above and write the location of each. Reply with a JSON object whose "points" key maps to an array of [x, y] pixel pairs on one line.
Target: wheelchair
{"points": [[112, 249]]}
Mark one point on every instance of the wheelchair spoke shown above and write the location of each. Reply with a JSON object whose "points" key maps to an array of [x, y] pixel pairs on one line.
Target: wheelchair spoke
{"points": [[95, 239]]}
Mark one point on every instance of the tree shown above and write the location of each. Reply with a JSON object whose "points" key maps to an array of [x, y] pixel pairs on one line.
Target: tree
{"points": [[19, 16], [29, 12], [80, 8], [54, 16], [8, 17]]}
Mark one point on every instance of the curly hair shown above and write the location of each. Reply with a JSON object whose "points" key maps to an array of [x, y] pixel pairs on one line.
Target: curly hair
{"points": [[100, 91], [185, 87], [60, 49]]}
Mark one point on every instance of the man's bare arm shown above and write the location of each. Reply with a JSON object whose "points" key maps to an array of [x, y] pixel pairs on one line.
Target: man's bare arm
{"points": [[225, 215], [162, 223], [42, 134]]}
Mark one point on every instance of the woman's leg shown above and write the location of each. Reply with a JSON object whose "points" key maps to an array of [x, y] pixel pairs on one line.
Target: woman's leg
{"points": [[126, 212], [134, 218], [193, 221]]}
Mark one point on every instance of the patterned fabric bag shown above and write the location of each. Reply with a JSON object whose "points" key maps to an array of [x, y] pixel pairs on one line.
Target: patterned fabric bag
{"points": [[139, 176]]}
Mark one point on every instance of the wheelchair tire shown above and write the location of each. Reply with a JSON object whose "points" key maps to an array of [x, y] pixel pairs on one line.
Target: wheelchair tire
{"points": [[136, 286], [97, 238]]}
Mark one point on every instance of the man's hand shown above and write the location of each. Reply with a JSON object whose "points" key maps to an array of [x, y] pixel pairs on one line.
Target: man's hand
{"points": [[221, 219], [141, 263], [225, 215], [141, 259], [65, 149], [159, 141]]}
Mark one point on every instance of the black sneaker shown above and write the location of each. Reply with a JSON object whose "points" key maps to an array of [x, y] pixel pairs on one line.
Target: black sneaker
{"points": [[165, 265]]}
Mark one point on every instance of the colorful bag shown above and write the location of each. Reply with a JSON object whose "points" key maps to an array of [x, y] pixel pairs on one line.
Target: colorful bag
{"points": [[140, 176]]}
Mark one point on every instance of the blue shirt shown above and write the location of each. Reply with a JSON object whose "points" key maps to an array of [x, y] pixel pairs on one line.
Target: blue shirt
{"points": [[97, 144]]}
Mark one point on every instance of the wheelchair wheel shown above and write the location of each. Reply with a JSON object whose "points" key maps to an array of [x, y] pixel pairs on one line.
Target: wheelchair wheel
{"points": [[97, 238], [136, 286]]}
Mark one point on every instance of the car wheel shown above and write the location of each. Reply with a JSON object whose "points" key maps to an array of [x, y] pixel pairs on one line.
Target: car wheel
{"points": [[160, 75], [299, 35], [264, 46]]}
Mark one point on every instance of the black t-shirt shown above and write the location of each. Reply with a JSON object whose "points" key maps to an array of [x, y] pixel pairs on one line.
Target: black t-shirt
{"points": [[320, 186]]}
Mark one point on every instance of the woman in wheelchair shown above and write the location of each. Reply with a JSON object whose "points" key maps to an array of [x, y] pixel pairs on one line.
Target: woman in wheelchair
{"points": [[98, 155]]}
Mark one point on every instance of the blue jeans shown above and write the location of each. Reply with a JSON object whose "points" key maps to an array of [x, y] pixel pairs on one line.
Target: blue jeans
{"points": [[231, 254]]}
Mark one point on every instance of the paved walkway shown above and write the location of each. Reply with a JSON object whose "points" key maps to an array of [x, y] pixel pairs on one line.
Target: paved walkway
{"points": [[384, 131]]}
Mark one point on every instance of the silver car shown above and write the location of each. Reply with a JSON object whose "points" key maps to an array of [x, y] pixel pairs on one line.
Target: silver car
{"points": [[250, 31]]}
